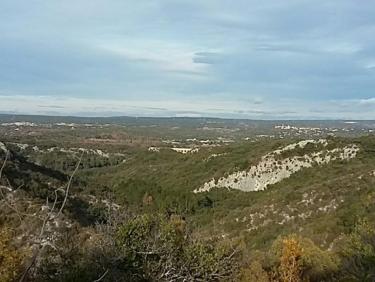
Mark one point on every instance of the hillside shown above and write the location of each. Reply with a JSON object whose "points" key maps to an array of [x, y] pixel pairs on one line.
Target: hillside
{"points": [[306, 186], [245, 194]]}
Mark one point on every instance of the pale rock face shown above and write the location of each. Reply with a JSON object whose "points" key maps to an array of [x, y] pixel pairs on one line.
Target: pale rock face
{"points": [[72, 151], [36, 149], [23, 146], [185, 150], [3, 147], [271, 170], [178, 150], [212, 156], [22, 123], [301, 144]]}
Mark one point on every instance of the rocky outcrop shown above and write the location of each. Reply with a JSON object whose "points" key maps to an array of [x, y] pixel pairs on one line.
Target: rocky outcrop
{"points": [[272, 168], [3, 147], [69, 151]]}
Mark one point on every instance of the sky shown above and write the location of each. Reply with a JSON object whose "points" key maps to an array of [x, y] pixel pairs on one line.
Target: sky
{"points": [[270, 59]]}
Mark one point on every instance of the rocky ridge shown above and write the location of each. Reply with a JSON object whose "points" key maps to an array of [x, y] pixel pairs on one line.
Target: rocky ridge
{"points": [[272, 169]]}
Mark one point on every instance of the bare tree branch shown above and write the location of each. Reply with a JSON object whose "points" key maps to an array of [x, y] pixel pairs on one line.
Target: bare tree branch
{"points": [[4, 163], [7, 203], [69, 184], [48, 218], [102, 277]]}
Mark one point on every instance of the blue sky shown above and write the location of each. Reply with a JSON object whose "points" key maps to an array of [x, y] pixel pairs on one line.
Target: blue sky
{"points": [[243, 59]]}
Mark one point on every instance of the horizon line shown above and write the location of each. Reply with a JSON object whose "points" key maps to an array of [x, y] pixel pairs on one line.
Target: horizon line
{"points": [[178, 117]]}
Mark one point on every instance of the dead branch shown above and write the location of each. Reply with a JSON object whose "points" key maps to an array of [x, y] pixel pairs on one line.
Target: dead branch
{"points": [[48, 217], [102, 277], [8, 204], [69, 184], [4, 163]]}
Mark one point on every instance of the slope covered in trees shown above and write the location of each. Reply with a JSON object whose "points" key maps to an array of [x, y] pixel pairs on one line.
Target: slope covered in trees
{"points": [[127, 213]]}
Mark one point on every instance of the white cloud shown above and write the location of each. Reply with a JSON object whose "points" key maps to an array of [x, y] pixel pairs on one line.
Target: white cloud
{"points": [[165, 56], [369, 101]]}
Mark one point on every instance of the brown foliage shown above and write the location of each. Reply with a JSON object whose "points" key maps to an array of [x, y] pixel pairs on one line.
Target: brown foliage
{"points": [[10, 257], [290, 261], [254, 273]]}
